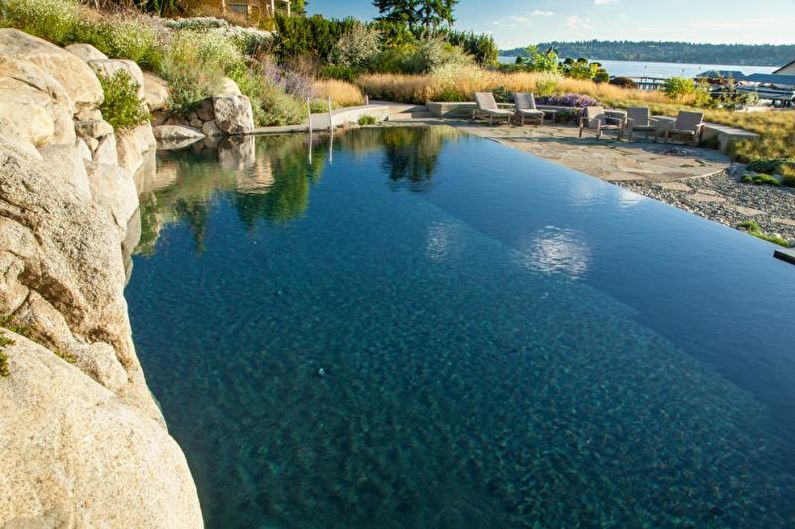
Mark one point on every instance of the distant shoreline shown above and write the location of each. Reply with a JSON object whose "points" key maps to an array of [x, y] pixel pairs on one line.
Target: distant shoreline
{"points": [[771, 55]]}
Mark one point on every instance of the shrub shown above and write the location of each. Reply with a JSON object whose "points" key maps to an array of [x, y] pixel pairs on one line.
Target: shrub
{"points": [[481, 47], [568, 100], [367, 120], [678, 87], [624, 82], [787, 172], [601, 76], [357, 46], [765, 165], [53, 20], [195, 65], [269, 102], [136, 40], [121, 107], [196, 23], [760, 179], [341, 73], [547, 84]]}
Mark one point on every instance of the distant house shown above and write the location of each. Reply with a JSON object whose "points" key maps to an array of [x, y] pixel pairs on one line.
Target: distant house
{"points": [[721, 75], [253, 8], [788, 69]]}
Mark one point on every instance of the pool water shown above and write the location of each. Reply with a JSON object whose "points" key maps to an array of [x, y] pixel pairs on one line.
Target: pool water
{"points": [[416, 328]]}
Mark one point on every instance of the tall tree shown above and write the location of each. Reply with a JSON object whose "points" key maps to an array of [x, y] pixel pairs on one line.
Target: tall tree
{"points": [[427, 14]]}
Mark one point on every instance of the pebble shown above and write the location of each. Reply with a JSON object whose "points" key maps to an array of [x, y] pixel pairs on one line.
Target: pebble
{"points": [[724, 198]]}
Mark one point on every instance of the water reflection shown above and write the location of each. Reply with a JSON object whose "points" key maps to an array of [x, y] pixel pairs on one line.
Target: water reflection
{"points": [[557, 251], [270, 178]]}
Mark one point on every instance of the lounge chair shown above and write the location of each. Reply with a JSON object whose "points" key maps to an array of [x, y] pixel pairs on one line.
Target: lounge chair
{"points": [[689, 125], [526, 107], [487, 107], [639, 120], [600, 120]]}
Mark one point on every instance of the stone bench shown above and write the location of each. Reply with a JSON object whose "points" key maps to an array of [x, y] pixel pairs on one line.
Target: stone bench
{"points": [[723, 133]]}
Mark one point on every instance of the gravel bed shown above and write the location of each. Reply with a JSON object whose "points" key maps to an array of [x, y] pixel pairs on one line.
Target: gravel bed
{"points": [[718, 197]]}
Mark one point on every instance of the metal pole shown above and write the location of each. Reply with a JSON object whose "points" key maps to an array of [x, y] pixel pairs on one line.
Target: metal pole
{"points": [[309, 114], [330, 122]]}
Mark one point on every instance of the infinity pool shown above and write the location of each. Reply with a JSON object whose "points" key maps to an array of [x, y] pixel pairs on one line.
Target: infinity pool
{"points": [[415, 328]]}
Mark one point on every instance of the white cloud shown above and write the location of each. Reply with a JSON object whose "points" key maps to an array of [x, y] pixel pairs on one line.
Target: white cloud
{"points": [[538, 13], [575, 22], [605, 2]]}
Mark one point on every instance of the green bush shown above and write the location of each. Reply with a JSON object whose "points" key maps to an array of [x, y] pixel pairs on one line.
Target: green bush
{"points": [[479, 45], [135, 40], [53, 20], [769, 166], [194, 67], [787, 172], [269, 102], [121, 107], [678, 87], [341, 73], [357, 46], [367, 120], [761, 179]]}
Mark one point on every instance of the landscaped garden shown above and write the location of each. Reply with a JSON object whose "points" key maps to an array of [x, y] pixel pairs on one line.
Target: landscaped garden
{"points": [[281, 62]]}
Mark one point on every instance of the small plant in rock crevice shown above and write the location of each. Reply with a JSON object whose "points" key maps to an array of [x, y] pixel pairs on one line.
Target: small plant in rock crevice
{"points": [[367, 120], [121, 107], [4, 341]]}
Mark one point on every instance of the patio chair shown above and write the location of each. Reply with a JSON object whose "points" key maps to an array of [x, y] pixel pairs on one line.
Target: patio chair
{"points": [[487, 107], [639, 120], [526, 107], [600, 120], [689, 125]]}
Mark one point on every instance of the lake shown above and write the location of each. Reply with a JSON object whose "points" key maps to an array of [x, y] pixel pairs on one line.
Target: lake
{"points": [[665, 69], [416, 328]]}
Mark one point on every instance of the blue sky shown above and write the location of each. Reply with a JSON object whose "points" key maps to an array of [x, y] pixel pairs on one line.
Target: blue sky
{"points": [[519, 22]]}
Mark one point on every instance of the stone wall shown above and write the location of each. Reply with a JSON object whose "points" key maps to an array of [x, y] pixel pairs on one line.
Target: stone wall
{"points": [[84, 443]]}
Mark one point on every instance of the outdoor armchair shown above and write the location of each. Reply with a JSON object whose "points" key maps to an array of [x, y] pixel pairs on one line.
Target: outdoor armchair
{"points": [[487, 107], [689, 125], [600, 120], [639, 120], [526, 107]]}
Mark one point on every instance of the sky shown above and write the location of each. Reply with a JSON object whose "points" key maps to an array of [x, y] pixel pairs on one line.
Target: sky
{"points": [[516, 23]]}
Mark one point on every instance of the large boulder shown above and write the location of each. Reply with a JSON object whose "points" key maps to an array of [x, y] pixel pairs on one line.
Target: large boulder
{"points": [[228, 88], [76, 455], [113, 188], [109, 67], [155, 91], [86, 52], [233, 114], [36, 102], [74, 75], [66, 251], [176, 133]]}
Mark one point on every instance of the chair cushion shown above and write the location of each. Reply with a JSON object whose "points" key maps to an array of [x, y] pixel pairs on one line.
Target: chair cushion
{"points": [[530, 112]]}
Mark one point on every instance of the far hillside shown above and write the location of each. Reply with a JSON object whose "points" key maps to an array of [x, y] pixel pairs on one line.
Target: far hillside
{"points": [[680, 52]]}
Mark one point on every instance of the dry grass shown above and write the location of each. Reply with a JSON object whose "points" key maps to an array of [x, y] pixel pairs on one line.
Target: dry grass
{"points": [[463, 84], [341, 93]]}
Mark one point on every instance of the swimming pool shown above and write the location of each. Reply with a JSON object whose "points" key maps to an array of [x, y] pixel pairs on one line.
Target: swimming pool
{"points": [[413, 327]]}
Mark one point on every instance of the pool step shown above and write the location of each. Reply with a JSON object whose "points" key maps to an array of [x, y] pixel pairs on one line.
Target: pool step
{"points": [[785, 254]]}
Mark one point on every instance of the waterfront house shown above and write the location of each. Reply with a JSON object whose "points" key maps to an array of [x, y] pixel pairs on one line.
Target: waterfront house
{"points": [[254, 8], [787, 69]]}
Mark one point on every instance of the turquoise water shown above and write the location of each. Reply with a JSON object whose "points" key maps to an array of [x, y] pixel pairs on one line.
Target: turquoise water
{"points": [[421, 329]]}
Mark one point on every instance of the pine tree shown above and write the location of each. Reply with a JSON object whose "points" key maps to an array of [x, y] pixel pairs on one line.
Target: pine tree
{"points": [[428, 14]]}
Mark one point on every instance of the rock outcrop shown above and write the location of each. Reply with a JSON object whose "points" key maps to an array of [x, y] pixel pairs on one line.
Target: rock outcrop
{"points": [[74, 75], [84, 443], [76, 455]]}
